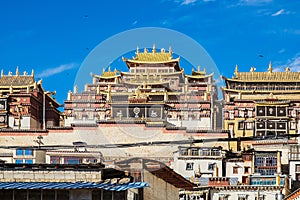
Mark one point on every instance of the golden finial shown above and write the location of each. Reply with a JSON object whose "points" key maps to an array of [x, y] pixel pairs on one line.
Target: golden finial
{"points": [[204, 70], [145, 50], [193, 69], [2, 73], [252, 69], [170, 50], [75, 89], [24, 73], [108, 68], [17, 71], [103, 70], [162, 50], [137, 50], [198, 68], [287, 69], [9, 73], [270, 69], [32, 73], [236, 71], [154, 49]]}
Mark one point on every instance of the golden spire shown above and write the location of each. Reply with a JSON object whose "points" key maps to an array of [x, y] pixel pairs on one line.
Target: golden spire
{"points": [[252, 69], [108, 68], [287, 69], [103, 70], [198, 68], [162, 50], [24, 73], [137, 50], [145, 50], [2, 73], [17, 71], [170, 50], [270, 69], [32, 73], [154, 49], [236, 71]]}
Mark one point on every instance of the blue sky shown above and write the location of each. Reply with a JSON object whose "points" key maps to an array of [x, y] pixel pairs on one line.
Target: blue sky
{"points": [[54, 37]]}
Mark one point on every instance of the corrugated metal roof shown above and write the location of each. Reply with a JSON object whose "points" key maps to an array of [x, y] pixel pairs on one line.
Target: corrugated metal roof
{"points": [[69, 185]]}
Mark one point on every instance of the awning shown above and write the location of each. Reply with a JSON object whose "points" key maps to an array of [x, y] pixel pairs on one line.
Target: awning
{"points": [[69, 185]]}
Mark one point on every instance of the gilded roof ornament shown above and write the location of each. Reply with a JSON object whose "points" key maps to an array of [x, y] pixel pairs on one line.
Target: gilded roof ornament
{"points": [[252, 69], [170, 50], [32, 73], [154, 48], [162, 50], [145, 50], [270, 69], [2, 73], [287, 69], [137, 50], [198, 68], [24, 73], [9, 73], [236, 71], [17, 71]]}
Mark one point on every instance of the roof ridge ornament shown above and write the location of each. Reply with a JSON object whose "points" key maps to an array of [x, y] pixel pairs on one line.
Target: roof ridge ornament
{"points": [[137, 50], [252, 69], [287, 69], [17, 71], [154, 48], [236, 71], [2, 73], [270, 69]]}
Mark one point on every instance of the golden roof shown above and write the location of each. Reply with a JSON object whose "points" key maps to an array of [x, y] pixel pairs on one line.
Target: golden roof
{"points": [[17, 79], [270, 75], [107, 74], [153, 56]]}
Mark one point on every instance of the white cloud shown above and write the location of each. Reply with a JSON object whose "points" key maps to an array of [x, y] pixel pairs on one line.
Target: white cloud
{"points": [[56, 70], [293, 64], [281, 51], [280, 12], [187, 2], [253, 2]]}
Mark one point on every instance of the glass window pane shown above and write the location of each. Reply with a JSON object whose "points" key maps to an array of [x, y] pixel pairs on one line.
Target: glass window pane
{"points": [[29, 161], [19, 161], [28, 152], [19, 152]]}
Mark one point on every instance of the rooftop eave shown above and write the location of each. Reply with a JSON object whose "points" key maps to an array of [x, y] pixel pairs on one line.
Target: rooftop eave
{"points": [[150, 62]]}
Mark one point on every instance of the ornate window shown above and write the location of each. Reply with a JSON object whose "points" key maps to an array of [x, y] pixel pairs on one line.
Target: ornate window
{"points": [[189, 166]]}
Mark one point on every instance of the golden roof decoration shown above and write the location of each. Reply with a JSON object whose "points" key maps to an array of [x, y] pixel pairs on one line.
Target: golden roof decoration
{"points": [[270, 75], [198, 72], [152, 55], [17, 80]]}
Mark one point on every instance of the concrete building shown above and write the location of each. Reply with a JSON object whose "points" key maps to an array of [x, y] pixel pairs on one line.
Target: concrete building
{"points": [[199, 162], [66, 182], [261, 104], [164, 183]]}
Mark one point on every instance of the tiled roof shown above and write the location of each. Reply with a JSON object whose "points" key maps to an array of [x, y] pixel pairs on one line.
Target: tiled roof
{"points": [[70, 185], [16, 80]]}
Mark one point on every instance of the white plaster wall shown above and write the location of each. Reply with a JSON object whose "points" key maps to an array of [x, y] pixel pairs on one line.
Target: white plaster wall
{"points": [[251, 194], [229, 170], [292, 166]]}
